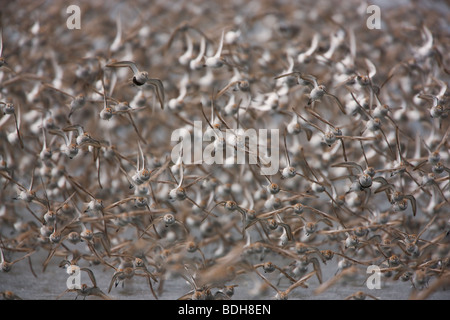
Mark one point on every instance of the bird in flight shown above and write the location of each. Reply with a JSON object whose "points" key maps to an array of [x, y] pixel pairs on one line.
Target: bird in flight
{"points": [[141, 77]]}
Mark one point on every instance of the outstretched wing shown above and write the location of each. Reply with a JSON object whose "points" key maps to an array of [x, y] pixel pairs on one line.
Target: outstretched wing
{"points": [[129, 64], [159, 90], [349, 164]]}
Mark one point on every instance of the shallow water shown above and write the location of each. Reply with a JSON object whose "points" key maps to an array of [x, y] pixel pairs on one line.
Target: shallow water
{"points": [[52, 283]]}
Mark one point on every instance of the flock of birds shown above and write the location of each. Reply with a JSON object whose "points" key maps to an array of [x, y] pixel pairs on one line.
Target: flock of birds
{"points": [[87, 177]]}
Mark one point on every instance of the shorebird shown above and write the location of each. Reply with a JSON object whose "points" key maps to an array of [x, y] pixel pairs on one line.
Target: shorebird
{"points": [[141, 78]]}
